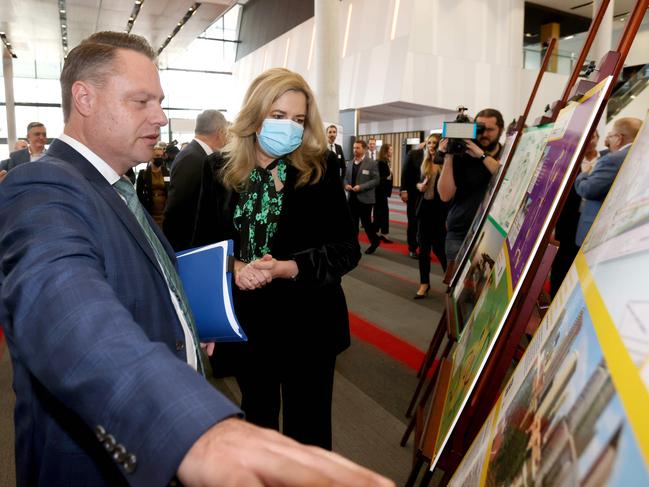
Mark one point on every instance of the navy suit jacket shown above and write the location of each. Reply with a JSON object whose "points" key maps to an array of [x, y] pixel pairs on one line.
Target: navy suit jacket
{"points": [[182, 197], [594, 187], [15, 158], [96, 345]]}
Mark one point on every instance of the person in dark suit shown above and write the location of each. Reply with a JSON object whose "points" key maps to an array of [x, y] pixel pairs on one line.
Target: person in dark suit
{"points": [[104, 353], [332, 133], [593, 187], [410, 176], [361, 179], [182, 198], [383, 193], [36, 138], [276, 192]]}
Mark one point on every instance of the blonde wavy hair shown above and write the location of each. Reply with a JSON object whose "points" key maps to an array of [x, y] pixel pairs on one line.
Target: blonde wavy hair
{"points": [[428, 168], [240, 151]]}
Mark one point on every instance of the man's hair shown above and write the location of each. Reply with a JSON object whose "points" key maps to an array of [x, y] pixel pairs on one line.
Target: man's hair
{"points": [[32, 125], [209, 121], [371, 137], [492, 113], [362, 142], [628, 127], [92, 61], [332, 127]]}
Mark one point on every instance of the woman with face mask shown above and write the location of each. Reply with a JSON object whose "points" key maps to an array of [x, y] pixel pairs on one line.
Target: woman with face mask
{"points": [[275, 191]]}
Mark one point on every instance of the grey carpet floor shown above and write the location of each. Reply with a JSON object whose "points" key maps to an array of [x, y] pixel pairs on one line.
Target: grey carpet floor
{"points": [[371, 388]]}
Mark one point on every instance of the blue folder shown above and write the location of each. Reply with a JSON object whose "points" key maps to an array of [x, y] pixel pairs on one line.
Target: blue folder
{"points": [[206, 273]]}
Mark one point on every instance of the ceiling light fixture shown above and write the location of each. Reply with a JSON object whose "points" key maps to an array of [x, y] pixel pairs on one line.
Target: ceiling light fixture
{"points": [[134, 13], [188, 15], [63, 21]]}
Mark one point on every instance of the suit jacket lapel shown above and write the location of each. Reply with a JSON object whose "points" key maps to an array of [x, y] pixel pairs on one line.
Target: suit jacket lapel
{"points": [[63, 151]]}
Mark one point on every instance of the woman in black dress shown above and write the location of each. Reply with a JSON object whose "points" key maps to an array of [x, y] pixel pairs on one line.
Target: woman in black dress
{"points": [[431, 216], [383, 192], [275, 191]]}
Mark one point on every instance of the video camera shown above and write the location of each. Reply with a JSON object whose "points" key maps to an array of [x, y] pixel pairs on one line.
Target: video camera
{"points": [[462, 128]]}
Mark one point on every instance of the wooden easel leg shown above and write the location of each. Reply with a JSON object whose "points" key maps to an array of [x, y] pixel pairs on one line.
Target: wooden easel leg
{"points": [[414, 473], [433, 348], [428, 476]]}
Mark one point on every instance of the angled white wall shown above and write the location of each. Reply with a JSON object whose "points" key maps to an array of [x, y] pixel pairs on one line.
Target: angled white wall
{"points": [[443, 53]]}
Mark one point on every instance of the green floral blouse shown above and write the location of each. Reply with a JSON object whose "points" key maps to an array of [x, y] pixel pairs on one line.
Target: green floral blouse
{"points": [[258, 211]]}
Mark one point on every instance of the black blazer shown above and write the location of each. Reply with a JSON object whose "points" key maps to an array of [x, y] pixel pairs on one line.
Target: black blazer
{"points": [[341, 159], [411, 172], [307, 315], [144, 181], [384, 189], [182, 197], [15, 158]]}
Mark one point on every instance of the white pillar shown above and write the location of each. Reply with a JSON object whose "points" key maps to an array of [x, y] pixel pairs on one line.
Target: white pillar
{"points": [[8, 73], [601, 45], [327, 57], [604, 38]]}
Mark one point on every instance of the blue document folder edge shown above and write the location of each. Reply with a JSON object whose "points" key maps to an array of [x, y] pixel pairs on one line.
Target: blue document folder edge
{"points": [[207, 280]]}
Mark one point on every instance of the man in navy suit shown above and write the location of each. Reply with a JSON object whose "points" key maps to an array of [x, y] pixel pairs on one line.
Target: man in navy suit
{"points": [[36, 137], [104, 353], [593, 187], [210, 135]]}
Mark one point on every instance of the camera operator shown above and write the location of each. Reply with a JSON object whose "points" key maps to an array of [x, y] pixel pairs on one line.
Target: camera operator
{"points": [[465, 177]]}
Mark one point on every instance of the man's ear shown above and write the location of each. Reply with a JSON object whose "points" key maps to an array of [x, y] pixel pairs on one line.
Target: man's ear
{"points": [[83, 97]]}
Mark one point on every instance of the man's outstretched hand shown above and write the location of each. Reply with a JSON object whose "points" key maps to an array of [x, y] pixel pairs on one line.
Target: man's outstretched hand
{"points": [[236, 453]]}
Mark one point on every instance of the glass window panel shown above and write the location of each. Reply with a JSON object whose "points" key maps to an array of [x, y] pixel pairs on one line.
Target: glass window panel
{"points": [[4, 152], [52, 118], [199, 91], [29, 90]]}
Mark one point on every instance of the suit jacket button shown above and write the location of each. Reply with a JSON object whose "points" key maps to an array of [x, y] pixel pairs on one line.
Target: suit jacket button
{"points": [[119, 453], [100, 432], [109, 443], [180, 346], [129, 463]]}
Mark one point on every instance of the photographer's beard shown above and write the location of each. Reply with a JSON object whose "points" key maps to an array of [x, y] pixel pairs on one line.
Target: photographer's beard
{"points": [[487, 144]]}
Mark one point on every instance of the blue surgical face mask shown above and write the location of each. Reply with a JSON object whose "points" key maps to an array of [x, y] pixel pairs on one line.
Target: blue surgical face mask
{"points": [[279, 137]]}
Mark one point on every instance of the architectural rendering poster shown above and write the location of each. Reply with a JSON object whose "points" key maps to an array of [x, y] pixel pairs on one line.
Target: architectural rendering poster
{"points": [[564, 144], [479, 219], [575, 410], [492, 307], [488, 244]]}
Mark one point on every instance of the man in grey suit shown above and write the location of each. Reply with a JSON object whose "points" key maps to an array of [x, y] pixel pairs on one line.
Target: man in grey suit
{"points": [[361, 177], [593, 187], [186, 171]]}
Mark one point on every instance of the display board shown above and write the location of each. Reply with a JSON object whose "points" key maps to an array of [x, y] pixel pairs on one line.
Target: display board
{"points": [[482, 256], [575, 409], [485, 205], [565, 142]]}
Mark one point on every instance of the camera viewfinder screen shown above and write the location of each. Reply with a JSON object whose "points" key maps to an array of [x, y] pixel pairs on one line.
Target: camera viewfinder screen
{"points": [[458, 130]]}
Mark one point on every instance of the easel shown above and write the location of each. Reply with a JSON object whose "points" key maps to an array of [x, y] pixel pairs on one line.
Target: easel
{"points": [[444, 326], [487, 389]]}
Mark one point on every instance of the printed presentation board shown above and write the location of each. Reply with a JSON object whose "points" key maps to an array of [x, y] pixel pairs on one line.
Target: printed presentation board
{"points": [[574, 410], [470, 354]]}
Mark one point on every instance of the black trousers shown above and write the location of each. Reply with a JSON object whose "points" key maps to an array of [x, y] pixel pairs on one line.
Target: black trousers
{"points": [[411, 211], [303, 390], [431, 234], [382, 214], [363, 212]]}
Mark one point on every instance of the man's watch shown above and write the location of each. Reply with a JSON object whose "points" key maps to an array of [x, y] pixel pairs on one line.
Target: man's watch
{"points": [[483, 156]]}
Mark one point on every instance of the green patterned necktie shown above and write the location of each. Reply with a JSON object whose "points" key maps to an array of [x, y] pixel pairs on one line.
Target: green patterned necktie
{"points": [[126, 189]]}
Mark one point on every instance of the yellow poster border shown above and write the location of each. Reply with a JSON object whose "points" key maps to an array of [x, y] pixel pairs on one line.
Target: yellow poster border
{"points": [[625, 375]]}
